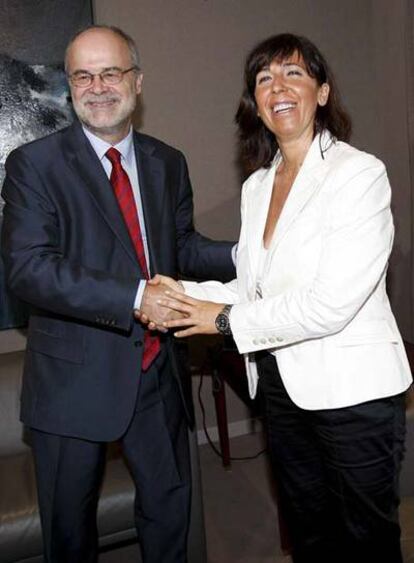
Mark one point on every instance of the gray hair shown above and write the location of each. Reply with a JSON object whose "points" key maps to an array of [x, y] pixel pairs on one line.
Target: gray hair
{"points": [[133, 49]]}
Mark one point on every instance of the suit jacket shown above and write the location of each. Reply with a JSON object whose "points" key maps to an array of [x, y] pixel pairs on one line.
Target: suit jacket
{"points": [[68, 254], [325, 313]]}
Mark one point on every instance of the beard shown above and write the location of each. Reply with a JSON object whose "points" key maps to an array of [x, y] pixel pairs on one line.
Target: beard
{"points": [[107, 119]]}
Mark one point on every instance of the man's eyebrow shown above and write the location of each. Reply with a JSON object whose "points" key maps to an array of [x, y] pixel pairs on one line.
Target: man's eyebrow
{"points": [[106, 69], [111, 68]]}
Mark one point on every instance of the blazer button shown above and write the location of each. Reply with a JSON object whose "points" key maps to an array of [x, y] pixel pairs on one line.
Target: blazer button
{"points": [[279, 339], [255, 342], [263, 341], [272, 340], [137, 343]]}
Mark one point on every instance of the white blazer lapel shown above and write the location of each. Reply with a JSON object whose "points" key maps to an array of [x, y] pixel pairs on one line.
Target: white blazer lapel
{"points": [[304, 187], [257, 205]]}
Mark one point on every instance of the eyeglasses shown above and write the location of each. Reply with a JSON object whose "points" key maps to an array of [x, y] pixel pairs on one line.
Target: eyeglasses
{"points": [[110, 77]]}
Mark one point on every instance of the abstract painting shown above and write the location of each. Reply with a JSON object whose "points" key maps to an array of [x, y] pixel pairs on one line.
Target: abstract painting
{"points": [[34, 97]]}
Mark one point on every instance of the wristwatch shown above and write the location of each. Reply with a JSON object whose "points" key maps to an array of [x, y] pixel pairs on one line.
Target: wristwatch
{"points": [[223, 320]]}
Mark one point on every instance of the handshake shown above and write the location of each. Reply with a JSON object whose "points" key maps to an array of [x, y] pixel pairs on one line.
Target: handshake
{"points": [[152, 312], [165, 305]]}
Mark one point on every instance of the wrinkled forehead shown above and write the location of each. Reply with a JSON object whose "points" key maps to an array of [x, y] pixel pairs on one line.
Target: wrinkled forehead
{"points": [[98, 47]]}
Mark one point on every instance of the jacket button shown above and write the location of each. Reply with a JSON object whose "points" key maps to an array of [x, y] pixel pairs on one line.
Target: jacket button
{"points": [[255, 342], [272, 340], [279, 339], [137, 343], [263, 340]]}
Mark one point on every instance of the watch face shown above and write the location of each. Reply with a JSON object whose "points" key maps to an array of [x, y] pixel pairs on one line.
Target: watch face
{"points": [[223, 323], [222, 320]]}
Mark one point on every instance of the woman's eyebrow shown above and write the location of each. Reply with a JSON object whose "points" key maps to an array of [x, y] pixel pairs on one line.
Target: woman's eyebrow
{"points": [[290, 63]]}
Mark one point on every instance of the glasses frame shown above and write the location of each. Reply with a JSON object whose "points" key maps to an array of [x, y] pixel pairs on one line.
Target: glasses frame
{"points": [[91, 76]]}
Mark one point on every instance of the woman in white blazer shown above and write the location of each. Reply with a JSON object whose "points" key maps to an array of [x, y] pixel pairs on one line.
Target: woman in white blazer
{"points": [[310, 312]]}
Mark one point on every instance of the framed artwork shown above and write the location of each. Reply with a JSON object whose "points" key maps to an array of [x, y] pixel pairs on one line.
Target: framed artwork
{"points": [[34, 97]]}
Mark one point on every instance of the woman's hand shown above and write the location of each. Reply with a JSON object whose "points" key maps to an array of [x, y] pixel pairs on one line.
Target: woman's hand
{"points": [[198, 316]]}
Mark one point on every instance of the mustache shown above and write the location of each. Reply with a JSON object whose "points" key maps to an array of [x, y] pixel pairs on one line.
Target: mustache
{"points": [[91, 98]]}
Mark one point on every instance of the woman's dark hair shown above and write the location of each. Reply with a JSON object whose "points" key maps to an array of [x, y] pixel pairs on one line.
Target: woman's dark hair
{"points": [[258, 145]]}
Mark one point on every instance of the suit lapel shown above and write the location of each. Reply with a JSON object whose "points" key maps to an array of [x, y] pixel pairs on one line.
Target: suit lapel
{"points": [[86, 164], [151, 175]]}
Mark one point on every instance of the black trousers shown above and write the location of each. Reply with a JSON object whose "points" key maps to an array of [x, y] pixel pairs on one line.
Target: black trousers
{"points": [[336, 472], [69, 475]]}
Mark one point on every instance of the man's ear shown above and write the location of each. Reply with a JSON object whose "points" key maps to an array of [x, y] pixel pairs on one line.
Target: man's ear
{"points": [[138, 82]]}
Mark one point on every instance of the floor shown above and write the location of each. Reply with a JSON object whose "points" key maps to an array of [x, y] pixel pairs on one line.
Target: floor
{"points": [[240, 513]]}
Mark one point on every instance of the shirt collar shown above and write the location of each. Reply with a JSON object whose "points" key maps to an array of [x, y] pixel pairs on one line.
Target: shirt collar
{"points": [[125, 147]]}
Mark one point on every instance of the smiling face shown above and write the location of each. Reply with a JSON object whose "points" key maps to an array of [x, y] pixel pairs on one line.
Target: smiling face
{"points": [[287, 98], [105, 110]]}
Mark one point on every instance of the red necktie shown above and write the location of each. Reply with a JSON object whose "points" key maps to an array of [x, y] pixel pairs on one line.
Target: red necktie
{"points": [[126, 201]]}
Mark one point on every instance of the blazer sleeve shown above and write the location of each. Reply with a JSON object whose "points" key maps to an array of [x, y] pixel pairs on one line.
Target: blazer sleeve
{"points": [[213, 291], [217, 291], [198, 256], [37, 270], [356, 244]]}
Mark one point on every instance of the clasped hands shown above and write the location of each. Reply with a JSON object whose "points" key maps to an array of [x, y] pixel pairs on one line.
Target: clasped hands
{"points": [[164, 306]]}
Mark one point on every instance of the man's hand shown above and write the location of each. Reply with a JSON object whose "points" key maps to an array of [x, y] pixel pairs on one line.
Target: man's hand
{"points": [[175, 285], [151, 312]]}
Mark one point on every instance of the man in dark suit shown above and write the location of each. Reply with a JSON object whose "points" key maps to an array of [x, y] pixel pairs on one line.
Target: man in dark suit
{"points": [[91, 213]]}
